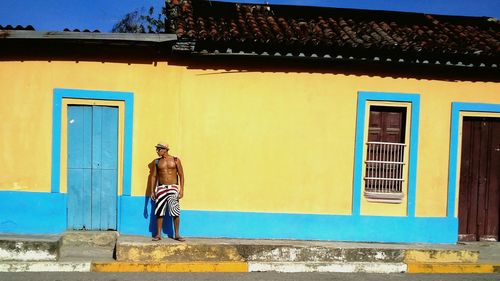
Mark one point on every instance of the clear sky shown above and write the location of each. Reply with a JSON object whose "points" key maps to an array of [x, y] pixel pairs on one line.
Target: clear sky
{"points": [[55, 15]]}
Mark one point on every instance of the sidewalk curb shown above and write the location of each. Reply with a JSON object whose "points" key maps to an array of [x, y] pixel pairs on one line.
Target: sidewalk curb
{"points": [[289, 267], [91, 252], [44, 266], [453, 268], [346, 267], [169, 267]]}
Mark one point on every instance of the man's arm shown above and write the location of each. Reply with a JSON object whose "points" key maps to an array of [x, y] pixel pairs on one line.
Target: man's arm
{"points": [[180, 172], [152, 183]]}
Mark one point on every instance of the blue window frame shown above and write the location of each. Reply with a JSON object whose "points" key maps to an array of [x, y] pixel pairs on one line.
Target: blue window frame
{"points": [[363, 98]]}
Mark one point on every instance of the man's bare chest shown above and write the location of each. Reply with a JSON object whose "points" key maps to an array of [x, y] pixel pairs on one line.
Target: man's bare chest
{"points": [[167, 165]]}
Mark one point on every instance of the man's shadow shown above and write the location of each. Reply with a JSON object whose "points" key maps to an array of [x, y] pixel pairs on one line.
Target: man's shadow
{"points": [[168, 226]]}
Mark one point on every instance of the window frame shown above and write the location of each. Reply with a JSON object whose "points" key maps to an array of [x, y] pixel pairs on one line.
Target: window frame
{"points": [[380, 196], [364, 98]]}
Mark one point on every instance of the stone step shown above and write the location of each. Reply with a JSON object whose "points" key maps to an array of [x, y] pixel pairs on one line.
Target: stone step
{"points": [[29, 247], [87, 246], [102, 239], [142, 249], [85, 254], [489, 252]]}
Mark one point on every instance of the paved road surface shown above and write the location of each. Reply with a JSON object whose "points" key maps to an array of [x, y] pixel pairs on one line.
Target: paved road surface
{"points": [[244, 277]]}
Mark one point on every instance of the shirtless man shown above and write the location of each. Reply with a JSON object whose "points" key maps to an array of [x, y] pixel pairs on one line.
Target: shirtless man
{"points": [[165, 188]]}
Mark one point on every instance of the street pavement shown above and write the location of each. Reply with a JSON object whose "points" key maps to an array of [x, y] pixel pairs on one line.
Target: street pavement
{"points": [[256, 276]]}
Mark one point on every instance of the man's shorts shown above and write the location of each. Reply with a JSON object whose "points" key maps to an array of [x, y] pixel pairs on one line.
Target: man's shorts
{"points": [[167, 197]]}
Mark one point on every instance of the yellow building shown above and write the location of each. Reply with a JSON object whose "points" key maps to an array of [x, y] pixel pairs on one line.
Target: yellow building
{"points": [[348, 145]]}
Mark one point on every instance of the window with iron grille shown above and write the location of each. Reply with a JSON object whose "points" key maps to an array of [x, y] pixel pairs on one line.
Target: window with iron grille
{"points": [[385, 154]]}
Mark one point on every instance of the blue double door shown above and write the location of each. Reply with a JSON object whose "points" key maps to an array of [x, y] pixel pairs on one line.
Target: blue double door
{"points": [[92, 176]]}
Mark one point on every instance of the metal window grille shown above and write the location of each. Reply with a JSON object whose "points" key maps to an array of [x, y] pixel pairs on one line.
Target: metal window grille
{"points": [[384, 170]]}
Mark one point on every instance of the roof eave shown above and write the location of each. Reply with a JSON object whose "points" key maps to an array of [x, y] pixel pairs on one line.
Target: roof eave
{"points": [[88, 36], [186, 48]]}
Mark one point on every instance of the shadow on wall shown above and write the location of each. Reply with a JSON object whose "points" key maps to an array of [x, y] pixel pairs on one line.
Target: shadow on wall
{"points": [[386, 65], [351, 62], [234, 64]]}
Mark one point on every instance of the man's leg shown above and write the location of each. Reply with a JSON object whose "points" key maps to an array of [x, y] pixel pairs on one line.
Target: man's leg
{"points": [[159, 226], [177, 222], [176, 226]]}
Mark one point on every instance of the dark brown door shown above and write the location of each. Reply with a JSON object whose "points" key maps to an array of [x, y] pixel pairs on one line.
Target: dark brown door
{"points": [[479, 196]]}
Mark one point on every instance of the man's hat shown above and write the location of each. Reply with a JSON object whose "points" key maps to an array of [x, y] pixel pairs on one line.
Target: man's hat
{"points": [[162, 144]]}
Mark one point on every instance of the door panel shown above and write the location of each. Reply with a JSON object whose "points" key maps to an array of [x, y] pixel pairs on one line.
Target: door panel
{"points": [[481, 177], [110, 139], [386, 124], [108, 191], [96, 167], [79, 165], [106, 163], [92, 177], [465, 195], [479, 197], [493, 185], [109, 167]]}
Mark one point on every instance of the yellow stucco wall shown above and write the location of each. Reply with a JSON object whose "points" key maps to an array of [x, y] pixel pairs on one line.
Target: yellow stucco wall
{"points": [[249, 141]]}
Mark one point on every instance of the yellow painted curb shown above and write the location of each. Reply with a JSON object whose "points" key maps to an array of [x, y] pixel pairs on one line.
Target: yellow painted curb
{"points": [[170, 267], [441, 256], [452, 268]]}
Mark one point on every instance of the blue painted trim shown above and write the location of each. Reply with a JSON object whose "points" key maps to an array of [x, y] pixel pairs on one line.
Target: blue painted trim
{"points": [[363, 97], [32, 212], [196, 223], [56, 143], [456, 108], [47, 215], [119, 213], [358, 156], [59, 94]]}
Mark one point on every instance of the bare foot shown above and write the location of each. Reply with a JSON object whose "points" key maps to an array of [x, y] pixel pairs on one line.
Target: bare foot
{"points": [[180, 239], [156, 238]]}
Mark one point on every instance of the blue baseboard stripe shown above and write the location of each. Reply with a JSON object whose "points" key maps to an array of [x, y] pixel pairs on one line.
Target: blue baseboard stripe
{"points": [[196, 223], [45, 213], [32, 212]]}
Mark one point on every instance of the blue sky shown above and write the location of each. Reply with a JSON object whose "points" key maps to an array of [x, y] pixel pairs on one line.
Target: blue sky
{"points": [[55, 15]]}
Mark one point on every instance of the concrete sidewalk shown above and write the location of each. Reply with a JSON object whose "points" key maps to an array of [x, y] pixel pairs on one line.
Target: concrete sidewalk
{"points": [[110, 252]]}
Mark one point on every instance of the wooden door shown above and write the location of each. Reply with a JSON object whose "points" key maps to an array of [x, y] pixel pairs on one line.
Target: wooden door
{"points": [[387, 124], [92, 167], [479, 194]]}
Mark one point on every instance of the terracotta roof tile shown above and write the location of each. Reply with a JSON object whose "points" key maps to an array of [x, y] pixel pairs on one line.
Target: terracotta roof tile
{"points": [[293, 30]]}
